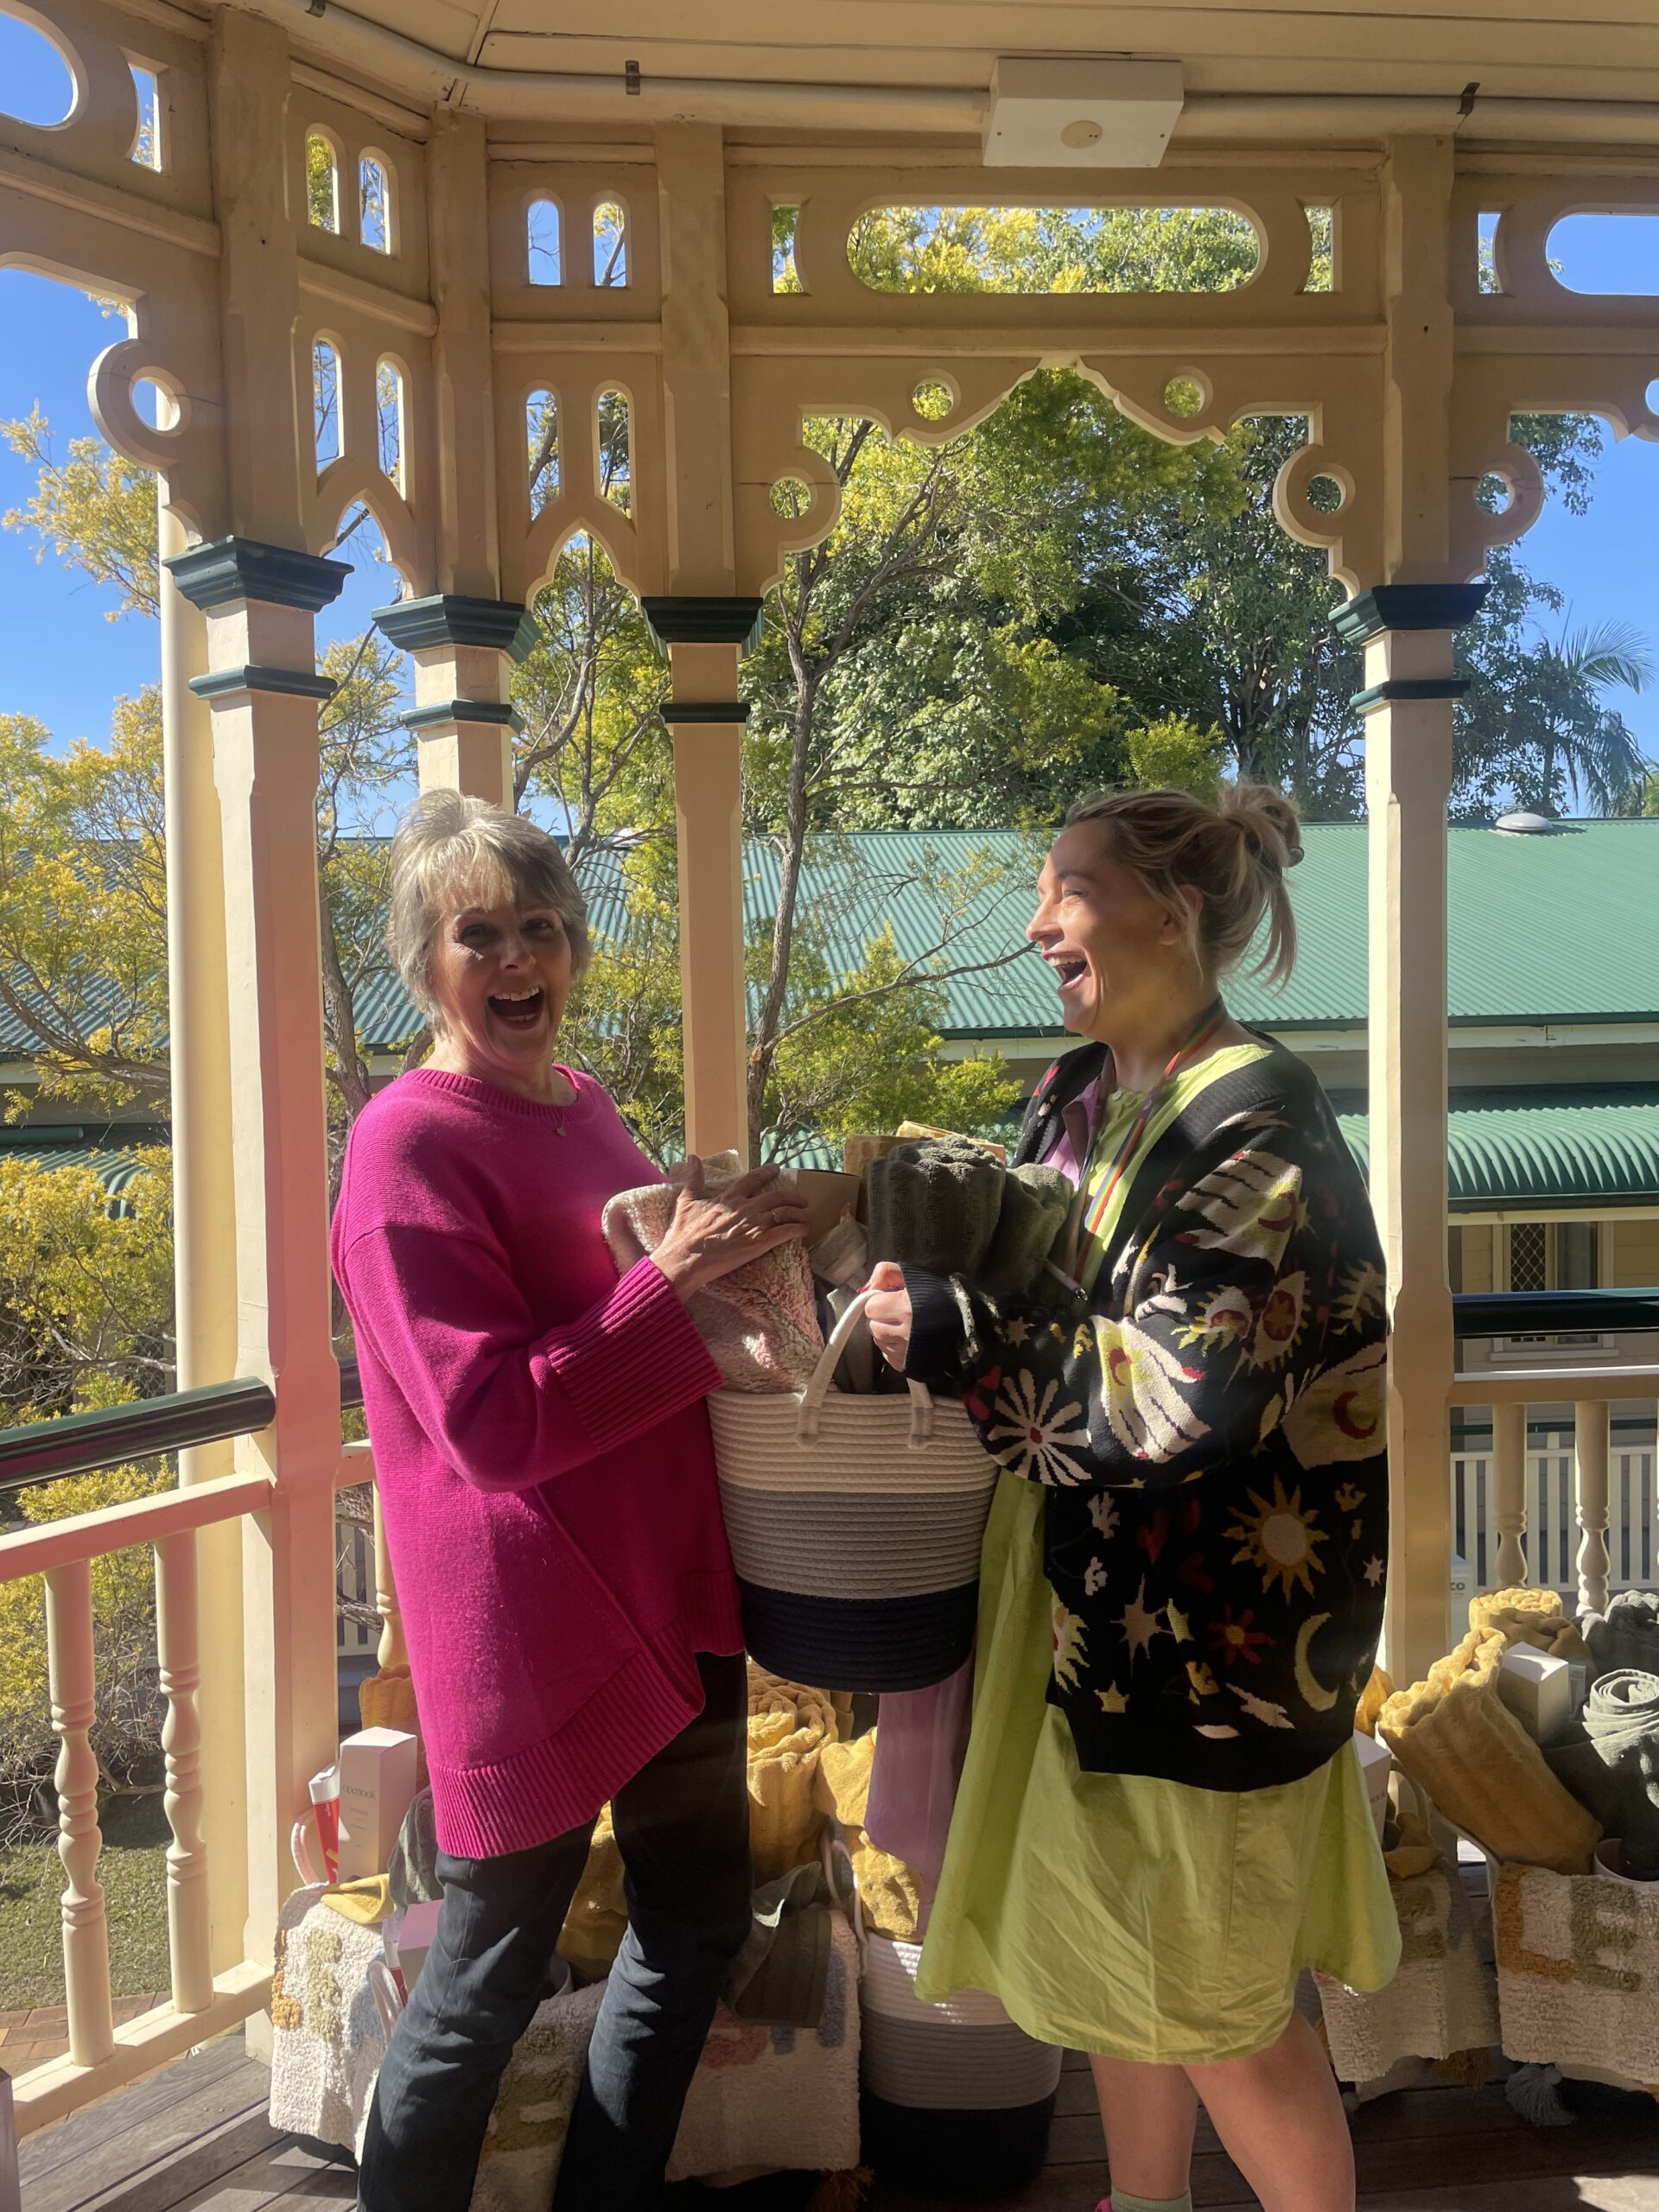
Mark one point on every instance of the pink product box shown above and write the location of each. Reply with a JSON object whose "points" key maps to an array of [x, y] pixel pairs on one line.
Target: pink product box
{"points": [[377, 1786]]}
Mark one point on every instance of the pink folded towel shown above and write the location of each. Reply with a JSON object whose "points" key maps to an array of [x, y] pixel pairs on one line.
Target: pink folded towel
{"points": [[760, 1323]]}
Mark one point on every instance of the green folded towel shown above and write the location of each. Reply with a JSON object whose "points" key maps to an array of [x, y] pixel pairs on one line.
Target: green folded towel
{"points": [[1035, 1202], [935, 1205]]}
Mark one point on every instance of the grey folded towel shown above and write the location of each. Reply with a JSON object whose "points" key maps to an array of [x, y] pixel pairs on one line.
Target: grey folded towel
{"points": [[1626, 1635], [1611, 1764], [935, 1205]]}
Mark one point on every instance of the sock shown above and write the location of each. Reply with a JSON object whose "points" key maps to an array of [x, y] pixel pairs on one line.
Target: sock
{"points": [[1120, 2201]]}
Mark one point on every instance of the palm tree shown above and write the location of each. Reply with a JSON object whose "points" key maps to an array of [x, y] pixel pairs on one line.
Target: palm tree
{"points": [[1576, 735]]}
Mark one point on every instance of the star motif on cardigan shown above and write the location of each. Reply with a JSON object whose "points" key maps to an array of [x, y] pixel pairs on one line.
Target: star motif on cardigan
{"points": [[1140, 1626], [1018, 1332], [1113, 1701], [1374, 1572]]}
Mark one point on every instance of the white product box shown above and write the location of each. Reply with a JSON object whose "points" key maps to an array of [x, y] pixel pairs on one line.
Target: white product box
{"points": [[416, 1925], [1376, 1764], [377, 1787], [1538, 1691]]}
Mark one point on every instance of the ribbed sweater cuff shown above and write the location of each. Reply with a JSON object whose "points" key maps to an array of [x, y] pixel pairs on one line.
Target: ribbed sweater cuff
{"points": [[641, 1341], [935, 1330]]}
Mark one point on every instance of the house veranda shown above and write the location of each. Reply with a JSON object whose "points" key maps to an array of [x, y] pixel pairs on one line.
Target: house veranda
{"points": [[1403, 128]]}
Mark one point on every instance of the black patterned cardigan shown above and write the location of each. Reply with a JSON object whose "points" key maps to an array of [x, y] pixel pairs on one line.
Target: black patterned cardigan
{"points": [[1209, 1427]]}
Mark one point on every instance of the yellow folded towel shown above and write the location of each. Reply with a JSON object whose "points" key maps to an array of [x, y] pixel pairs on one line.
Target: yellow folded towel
{"points": [[1454, 1735], [789, 1726], [366, 1901], [598, 1918], [888, 1892], [1375, 1696], [1526, 1616]]}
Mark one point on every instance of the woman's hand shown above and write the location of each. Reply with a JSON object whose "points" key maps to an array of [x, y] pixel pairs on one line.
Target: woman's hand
{"points": [[709, 1237], [888, 1314]]}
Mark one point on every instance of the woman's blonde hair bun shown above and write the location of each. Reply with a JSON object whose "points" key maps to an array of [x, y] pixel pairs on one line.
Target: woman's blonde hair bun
{"points": [[1234, 854], [1269, 819]]}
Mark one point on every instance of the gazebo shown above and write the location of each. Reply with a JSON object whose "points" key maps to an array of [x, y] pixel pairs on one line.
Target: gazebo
{"points": [[258, 180]]}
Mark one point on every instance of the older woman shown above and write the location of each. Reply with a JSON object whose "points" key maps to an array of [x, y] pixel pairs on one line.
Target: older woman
{"points": [[544, 1458], [1161, 1820]]}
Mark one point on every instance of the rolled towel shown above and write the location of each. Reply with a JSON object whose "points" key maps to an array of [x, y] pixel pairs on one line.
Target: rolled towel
{"points": [[1527, 1616], [1454, 1736], [1626, 1635], [760, 1322], [1035, 1202], [1611, 1764], [935, 1206]]}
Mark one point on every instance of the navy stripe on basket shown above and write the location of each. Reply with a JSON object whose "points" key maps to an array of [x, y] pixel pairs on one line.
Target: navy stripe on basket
{"points": [[860, 1644], [958, 2154]]}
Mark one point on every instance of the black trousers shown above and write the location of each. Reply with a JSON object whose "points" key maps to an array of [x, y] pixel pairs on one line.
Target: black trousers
{"points": [[683, 1829]]}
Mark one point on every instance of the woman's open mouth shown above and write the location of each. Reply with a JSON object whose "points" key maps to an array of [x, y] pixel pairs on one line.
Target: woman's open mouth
{"points": [[1067, 970], [517, 1009]]}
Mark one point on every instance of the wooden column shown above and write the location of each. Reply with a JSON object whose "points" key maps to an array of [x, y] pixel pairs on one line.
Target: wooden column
{"points": [[1405, 626], [261, 601], [706, 629], [260, 591], [464, 638], [463, 650], [705, 637], [204, 1214]]}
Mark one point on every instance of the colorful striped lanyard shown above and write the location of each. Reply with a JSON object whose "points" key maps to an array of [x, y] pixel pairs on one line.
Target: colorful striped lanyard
{"points": [[1200, 1035]]}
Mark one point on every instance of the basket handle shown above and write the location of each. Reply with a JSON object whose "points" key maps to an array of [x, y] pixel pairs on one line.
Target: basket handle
{"points": [[812, 1398]]}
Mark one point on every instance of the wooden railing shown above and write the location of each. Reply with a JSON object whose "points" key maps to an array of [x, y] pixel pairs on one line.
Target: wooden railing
{"points": [[1590, 1391], [103, 2054]]}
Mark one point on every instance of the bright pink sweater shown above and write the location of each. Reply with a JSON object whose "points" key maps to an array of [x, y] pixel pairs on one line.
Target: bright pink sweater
{"points": [[541, 1446]]}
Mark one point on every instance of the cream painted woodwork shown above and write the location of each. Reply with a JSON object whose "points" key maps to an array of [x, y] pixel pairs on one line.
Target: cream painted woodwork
{"points": [[72, 1672], [1405, 369]]}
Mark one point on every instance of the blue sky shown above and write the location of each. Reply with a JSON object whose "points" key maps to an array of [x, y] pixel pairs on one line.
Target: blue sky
{"points": [[65, 663]]}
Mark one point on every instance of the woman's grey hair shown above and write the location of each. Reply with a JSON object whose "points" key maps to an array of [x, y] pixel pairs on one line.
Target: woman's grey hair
{"points": [[448, 850], [1235, 855]]}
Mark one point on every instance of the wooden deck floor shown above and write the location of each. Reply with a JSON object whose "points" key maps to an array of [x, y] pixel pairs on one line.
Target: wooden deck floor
{"points": [[194, 2138]]}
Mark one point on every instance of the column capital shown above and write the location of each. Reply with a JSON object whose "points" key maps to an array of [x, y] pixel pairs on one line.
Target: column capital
{"points": [[687, 618], [455, 619], [704, 711], [227, 569], [1407, 606]]}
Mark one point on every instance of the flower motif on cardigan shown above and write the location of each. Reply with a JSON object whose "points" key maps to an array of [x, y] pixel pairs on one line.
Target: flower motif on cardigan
{"points": [[1103, 1513], [1280, 1539], [1032, 1437], [1234, 1636]]}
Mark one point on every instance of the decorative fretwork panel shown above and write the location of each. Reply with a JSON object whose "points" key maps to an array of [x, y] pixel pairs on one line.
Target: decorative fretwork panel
{"points": [[587, 287], [1532, 345], [354, 137]]}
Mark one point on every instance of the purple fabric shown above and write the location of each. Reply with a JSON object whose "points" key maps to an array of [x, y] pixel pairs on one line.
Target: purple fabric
{"points": [[920, 1742], [922, 1738]]}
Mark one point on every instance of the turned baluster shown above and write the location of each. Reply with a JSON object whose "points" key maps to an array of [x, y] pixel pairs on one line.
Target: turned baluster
{"points": [[1510, 1491], [1590, 1441], [178, 1648], [72, 1677]]}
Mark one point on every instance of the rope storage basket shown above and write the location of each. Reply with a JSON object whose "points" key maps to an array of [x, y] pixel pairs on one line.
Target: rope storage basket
{"points": [[955, 2096], [856, 1525]]}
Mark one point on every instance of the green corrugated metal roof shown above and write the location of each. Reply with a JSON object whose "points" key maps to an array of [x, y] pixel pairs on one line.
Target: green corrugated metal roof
{"points": [[1550, 1147], [1565, 1146], [1559, 927], [1562, 926], [114, 1165]]}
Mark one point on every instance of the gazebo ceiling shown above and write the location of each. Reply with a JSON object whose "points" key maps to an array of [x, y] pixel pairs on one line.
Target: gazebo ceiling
{"points": [[1243, 51]]}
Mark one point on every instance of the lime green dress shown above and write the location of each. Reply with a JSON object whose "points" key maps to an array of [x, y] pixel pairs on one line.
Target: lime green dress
{"points": [[1123, 1914]]}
